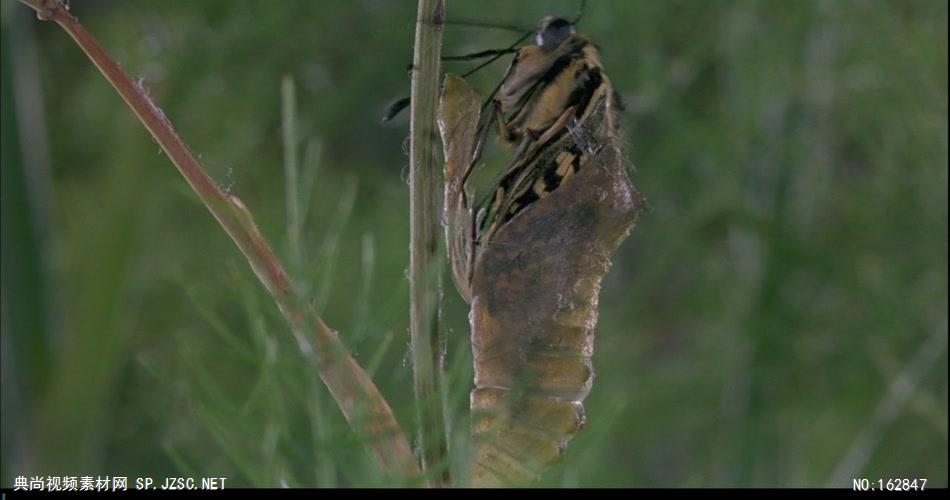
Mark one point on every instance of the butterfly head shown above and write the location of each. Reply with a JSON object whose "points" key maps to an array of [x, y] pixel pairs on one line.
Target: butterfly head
{"points": [[552, 31]]}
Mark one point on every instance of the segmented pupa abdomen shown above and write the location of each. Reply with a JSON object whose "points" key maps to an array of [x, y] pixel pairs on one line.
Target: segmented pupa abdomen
{"points": [[533, 313]]}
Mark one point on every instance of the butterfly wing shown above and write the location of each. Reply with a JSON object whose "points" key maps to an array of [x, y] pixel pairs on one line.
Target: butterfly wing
{"points": [[458, 117]]}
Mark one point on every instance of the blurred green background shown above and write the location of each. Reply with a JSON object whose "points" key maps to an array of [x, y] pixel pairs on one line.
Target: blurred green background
{"points": [[778, 317]]}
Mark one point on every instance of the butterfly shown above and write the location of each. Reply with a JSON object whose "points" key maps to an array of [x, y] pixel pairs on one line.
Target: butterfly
{"points": [[529, 255]]}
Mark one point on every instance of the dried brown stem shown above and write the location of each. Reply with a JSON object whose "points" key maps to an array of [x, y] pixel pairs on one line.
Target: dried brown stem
{"points": [[360, 401]]}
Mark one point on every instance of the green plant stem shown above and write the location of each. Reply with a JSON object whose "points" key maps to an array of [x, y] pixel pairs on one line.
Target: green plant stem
{"points": [[360, 401], [425, 244], [291, 170]]}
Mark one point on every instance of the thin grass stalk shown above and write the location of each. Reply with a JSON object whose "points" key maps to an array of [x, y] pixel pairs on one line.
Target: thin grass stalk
{"points": [[297, 187], [288, 99]]}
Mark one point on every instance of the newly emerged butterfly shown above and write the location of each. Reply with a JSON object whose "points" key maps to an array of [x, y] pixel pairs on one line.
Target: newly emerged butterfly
{"points": [[530, 254]]}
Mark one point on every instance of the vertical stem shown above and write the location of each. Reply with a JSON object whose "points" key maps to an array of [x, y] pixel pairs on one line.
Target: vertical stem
{"points": [[424, 264], [291, 169]]}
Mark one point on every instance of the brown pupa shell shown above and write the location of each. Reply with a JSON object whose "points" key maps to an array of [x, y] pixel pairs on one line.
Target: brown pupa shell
{"points": [[533, 314]]}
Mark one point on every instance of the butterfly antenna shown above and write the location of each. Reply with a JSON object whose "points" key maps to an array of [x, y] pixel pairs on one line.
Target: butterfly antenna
{"points": [[580, 12], [500, 53], [475, 23]]}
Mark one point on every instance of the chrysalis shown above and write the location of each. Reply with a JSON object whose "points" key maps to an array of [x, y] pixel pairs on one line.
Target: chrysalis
{"points": [[530, 256]]}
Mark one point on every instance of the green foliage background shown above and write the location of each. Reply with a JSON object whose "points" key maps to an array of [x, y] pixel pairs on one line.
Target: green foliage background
{"points": [[778, 318]]}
